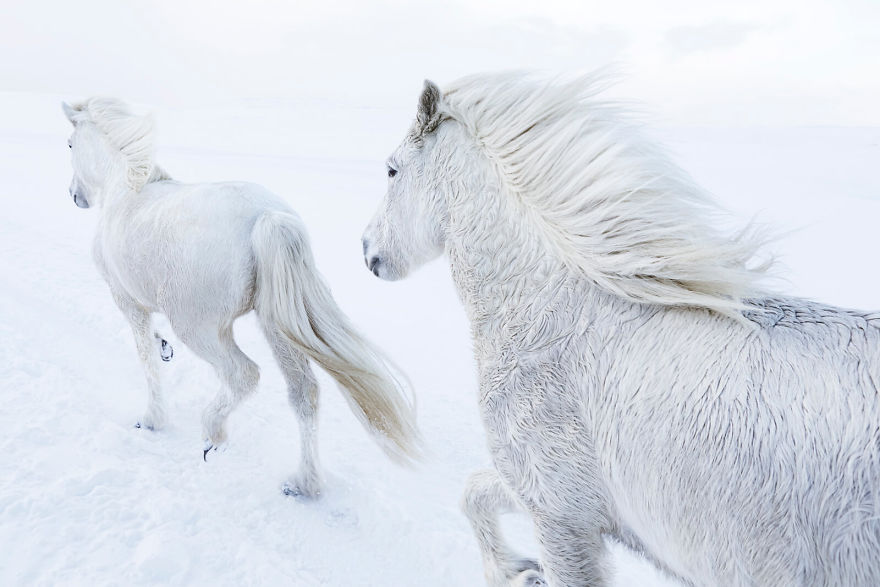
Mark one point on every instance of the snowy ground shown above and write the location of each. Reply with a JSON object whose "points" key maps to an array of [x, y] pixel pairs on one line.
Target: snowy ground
{"points": [[87, 499]]}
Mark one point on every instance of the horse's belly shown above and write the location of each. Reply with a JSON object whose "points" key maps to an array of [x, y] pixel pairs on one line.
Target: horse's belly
{"points": [[183, 273], [643, 530], [703, 533]]}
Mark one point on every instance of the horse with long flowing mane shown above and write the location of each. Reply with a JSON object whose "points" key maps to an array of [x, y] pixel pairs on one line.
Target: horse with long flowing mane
{"points": [[634, 380], [205, 254]]}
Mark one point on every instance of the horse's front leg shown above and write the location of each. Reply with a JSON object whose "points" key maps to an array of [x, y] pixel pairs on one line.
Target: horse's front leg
{"points": [[484, 499], [147, 343], [573, 550], [573, 553]]}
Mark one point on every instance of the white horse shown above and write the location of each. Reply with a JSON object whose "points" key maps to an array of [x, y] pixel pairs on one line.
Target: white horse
{"points": [[205, 254], [633, 382]]}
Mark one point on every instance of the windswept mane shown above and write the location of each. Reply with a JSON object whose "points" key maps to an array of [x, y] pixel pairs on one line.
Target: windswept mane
{"points": [[610, 202], [133, 135]]}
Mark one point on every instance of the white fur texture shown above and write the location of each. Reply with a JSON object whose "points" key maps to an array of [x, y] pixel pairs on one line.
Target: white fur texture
{"points": [[205, 254], [634, 383]]}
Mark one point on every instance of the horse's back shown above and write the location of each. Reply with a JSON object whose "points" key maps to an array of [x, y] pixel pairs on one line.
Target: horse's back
{"points": [[832, 352], [770, 440], [195, 240], [229, 202]]}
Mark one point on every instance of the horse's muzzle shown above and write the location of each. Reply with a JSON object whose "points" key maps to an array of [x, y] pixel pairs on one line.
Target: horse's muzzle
{"points": [[80, 201]]}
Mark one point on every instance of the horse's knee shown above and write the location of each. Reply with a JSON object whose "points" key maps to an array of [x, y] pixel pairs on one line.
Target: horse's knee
{"points": [[470, 498], [480, 489]]}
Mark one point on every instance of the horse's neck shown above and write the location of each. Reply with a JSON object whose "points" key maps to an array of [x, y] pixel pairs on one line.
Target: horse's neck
{"points": [[503, 269], [116, 190]]}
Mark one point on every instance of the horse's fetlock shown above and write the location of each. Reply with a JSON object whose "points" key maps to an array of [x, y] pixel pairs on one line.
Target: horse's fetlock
{"points": [[529, 578]]}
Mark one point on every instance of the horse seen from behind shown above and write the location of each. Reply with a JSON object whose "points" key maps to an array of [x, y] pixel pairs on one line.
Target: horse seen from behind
{"points": [[204, 255]]}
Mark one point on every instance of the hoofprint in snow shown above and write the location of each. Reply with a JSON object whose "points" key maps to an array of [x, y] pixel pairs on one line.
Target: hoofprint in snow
{"points": [[87, 499]]}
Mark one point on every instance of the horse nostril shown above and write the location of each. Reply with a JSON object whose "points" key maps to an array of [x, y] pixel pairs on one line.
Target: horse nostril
{"points": [[366, 245], [373, 264]]}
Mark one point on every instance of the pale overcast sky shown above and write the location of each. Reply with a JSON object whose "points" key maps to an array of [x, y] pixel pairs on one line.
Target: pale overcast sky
{"points": [[691, 62]]}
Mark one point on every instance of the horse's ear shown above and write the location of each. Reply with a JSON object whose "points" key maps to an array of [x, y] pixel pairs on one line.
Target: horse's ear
{"points": [[70, 112], [429, 104]]}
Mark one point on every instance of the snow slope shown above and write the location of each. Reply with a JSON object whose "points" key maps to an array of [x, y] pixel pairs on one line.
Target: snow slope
{"points": [[87, 499]]}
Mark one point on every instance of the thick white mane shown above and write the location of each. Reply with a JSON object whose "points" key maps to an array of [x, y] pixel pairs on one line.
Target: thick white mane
{"points": [[133, 135], [609, 201]]}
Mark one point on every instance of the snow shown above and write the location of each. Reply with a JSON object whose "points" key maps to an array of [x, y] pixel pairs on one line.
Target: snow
{"points": [[85, 498]]}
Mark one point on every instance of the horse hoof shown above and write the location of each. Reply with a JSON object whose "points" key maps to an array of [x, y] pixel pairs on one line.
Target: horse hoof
{"points": [[166, 351], [291, 490], [153, 419], [209, 446], [298, 491], [149, 427]]}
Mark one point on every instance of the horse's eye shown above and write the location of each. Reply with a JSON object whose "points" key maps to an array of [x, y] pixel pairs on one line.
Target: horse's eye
{"points": [[392, 172], [69, 146]]}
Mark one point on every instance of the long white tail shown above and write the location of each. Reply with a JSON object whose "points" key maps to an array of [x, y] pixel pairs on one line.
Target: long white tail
{"points": [[291, 295]]}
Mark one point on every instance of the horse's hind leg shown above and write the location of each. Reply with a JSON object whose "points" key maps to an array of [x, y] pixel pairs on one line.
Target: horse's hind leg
{"points": [[238, 374], [302, 391], [484, 499]]}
